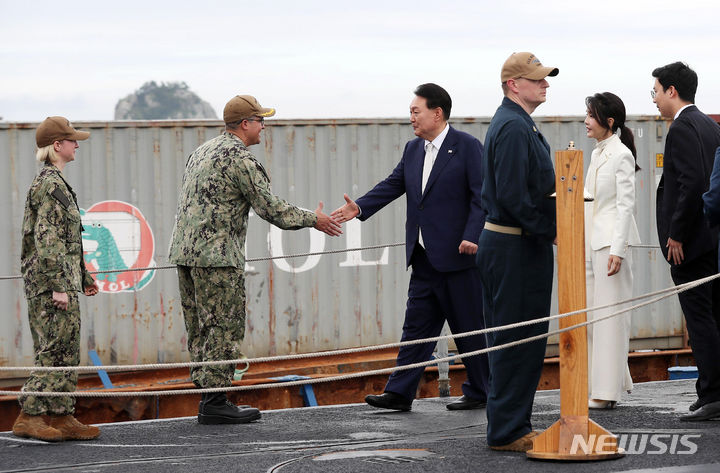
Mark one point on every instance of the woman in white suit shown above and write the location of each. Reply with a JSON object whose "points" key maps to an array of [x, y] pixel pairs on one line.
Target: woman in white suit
{"points": [[610, 229]]}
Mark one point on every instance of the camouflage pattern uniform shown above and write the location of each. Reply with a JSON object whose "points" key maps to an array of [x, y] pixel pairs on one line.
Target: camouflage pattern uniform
{"points": [[51, 260], [222, 181]]}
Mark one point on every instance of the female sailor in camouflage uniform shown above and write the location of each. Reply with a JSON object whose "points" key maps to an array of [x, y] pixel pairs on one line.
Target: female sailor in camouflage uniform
{"points": [[53, 273]]}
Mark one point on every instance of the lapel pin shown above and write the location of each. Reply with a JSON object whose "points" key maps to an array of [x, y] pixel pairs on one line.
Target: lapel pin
{"points": [[449, 151], [535, 129]]}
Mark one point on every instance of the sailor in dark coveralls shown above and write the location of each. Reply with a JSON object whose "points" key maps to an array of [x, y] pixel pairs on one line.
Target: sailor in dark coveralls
{"points": [[515, 253]]}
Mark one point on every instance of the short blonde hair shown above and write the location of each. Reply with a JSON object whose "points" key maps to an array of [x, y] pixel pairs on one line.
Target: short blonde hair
{"points": [[46, 154]]}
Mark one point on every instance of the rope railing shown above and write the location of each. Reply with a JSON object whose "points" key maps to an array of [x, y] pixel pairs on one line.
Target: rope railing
{"points": [[269, 258], [189, 364], [662, 295], [249, 260]]}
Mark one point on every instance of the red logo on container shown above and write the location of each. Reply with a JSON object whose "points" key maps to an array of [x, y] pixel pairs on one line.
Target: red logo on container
{"points": [[118, 240]]}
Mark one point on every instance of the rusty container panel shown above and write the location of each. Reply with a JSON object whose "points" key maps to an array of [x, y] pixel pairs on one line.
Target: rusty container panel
{"points": [[127, 177], [339, 300]]}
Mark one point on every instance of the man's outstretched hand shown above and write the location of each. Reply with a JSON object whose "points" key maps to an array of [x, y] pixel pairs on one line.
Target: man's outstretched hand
{"points": [[326, 223], [347, 212]]}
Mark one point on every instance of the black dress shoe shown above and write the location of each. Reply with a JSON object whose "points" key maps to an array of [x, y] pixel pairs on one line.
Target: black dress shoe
{"points": [[464, 403], [695, 406], [389, 401], [711, 410]]}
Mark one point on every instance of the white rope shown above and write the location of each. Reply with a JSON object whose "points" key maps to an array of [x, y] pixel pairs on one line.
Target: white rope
{"points": [[188, 364], [275, 385], [676, 290], [268, 258], [249, 260]]}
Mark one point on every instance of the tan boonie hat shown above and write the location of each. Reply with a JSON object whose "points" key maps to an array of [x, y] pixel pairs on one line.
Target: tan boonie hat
{"points": [[57, 129], [245, 106], [525, 65]]}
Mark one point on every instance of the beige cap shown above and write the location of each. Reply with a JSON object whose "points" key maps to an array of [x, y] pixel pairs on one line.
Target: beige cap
{"points": [[244, 106], [525, 65], [57, 129]]}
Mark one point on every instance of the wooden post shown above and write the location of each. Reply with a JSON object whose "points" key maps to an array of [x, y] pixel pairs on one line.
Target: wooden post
{"points": [[574, 437]]}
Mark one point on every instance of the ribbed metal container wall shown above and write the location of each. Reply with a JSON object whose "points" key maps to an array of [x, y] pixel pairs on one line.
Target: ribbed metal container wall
{"points": [[303, 304]]}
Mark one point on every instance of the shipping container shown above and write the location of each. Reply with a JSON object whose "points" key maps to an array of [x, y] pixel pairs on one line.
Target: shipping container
{"points": [[127, 177]]}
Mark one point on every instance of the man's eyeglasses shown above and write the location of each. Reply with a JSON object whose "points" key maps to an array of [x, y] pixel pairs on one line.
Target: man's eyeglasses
{"points": [[652, 93], [257, 119]]}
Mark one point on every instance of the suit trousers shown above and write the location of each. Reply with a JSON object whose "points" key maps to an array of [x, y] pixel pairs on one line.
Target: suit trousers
{"points": [[609, 340], [434, 297], [701, 307], [516, 273]]}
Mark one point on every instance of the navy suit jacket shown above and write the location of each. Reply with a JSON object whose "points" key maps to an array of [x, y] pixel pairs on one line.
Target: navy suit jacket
{"points": [[688, 161], [448, 211], [711, 198]]}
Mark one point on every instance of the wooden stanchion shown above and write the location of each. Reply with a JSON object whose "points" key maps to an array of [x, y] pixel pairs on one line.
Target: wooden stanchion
{"points": [[574, 437]]}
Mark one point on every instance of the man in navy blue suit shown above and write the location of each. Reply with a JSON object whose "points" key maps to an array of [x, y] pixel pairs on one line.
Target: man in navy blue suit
{"points": [[441, 177]]}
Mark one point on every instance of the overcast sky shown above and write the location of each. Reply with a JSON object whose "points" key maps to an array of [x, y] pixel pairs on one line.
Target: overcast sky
{"points": [[337, 59]]}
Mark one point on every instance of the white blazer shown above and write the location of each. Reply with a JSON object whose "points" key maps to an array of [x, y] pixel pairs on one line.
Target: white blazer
{"points": [[609, 219]]}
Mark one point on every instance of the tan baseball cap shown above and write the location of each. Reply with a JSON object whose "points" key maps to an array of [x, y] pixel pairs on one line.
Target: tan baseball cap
{"points": [[525, 65], [244, 106], [57, 129]]}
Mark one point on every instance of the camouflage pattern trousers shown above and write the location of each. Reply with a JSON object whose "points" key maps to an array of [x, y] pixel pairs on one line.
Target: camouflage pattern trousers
{"points": [[213, 303], [56, 339]]}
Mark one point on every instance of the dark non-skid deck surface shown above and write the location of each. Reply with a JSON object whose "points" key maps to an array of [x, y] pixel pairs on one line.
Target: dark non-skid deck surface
{"points": [[358, 438]]}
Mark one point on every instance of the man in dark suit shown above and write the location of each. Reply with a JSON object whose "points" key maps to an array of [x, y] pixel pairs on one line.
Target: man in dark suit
{"points": [[686, 240], [440, 175]]}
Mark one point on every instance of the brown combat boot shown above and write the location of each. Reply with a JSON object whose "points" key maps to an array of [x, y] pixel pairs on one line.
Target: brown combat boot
{"points": [[523, 444], [35, 427], [72, 429]]}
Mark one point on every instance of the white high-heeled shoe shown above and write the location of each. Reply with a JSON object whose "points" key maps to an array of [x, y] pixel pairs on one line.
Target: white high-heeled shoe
{"points": [[600, 404]]}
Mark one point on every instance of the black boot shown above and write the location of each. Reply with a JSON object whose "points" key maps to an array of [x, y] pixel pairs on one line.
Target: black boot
{"points": [[204, 398], [216, 409]]}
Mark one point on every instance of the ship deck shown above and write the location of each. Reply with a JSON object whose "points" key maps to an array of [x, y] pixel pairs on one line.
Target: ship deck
{"points": [[359, 438]]}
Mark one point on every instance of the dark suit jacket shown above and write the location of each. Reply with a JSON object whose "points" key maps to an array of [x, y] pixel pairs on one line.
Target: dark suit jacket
{"points": [[448, 211], [689, 153], [711, 198]]}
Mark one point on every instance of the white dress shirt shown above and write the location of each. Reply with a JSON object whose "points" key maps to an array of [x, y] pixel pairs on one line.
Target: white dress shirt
{"points": [[680, 111], [430, 157]]}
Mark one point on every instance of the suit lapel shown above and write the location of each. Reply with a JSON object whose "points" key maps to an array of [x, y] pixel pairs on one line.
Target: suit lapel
{"points": [[604, 158], [415, 167], [445, 154]]}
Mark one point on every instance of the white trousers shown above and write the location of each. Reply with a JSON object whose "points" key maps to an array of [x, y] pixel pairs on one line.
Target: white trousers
{"points": [[609, 340]]}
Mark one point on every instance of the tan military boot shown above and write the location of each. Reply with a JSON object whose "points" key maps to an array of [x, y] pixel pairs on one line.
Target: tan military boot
{"points": [[523, 444], [72, 429], [35, 427]]}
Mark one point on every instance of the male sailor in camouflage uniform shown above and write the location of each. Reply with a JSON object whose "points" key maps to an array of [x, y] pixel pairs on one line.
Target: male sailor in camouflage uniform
{"points": [[222, 181], [53, 273]]}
